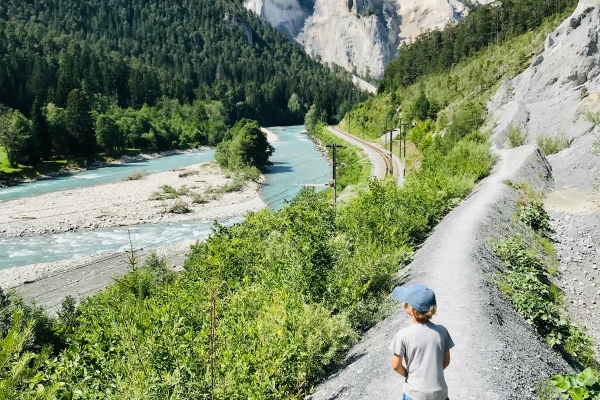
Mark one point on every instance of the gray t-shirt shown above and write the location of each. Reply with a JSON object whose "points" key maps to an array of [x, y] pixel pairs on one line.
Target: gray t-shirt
{"points": [[422, 348]]}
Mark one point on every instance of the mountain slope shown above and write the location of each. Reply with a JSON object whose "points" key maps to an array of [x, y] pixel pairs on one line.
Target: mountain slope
{"points": [[363, 35], [137, 51]]}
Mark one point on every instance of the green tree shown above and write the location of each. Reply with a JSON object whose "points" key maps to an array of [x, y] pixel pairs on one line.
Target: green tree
{"points": [[420, 108], [294, 104], [311, 119], [80, 124], [55, 117], [15, 132], [248, 147], [108, 134]]}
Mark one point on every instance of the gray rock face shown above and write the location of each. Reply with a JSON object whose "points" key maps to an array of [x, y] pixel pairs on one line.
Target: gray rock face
{"points": [[360, 35], [553, 96]]}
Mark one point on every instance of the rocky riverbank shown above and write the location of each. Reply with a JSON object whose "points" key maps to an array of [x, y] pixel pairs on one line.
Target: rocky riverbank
{"points": [[194, 193], [12, 180]]}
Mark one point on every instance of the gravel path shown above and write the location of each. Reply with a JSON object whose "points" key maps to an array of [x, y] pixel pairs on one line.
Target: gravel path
{"points": [[497, 354]]}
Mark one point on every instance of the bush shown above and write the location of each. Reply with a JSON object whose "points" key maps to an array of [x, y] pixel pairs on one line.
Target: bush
{"points": [[23, 375], [198, 198], [179, 207], [552, 144], [534, 215], [167, 192], [534, 298], [137, 175], [516, 135], [467, 119]]}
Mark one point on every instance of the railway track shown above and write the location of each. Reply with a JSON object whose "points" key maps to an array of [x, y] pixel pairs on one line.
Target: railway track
{"points": [[382, 155]]}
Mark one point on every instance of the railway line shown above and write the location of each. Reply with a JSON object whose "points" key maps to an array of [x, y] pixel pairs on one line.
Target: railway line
{"points": [[380, 158]]}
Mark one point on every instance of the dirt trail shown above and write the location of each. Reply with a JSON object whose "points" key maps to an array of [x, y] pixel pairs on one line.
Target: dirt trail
{"points": [[497, 354]]}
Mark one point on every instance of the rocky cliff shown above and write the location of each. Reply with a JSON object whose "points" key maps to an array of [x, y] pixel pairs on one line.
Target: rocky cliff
{"points": [[360, 35], [553, 96]]}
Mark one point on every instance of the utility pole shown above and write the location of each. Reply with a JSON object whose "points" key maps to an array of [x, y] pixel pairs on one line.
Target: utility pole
{"points": [[392, 151], [334, 148]]}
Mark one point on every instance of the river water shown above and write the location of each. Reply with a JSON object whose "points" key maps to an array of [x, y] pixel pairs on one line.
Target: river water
{"points": [[295, 162]]}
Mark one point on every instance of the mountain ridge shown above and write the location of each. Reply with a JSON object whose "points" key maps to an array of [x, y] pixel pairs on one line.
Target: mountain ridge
{"points": [[362, 36]]}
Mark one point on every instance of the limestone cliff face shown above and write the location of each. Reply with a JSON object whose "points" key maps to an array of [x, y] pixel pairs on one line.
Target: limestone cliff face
{"points": [[360, 35], [552, 97]]}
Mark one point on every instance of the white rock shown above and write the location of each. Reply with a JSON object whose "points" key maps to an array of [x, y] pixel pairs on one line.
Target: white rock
{"points": [[343, 32]]}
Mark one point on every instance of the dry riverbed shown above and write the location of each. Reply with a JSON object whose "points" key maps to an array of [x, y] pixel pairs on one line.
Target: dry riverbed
{"points": [[202, 189]]}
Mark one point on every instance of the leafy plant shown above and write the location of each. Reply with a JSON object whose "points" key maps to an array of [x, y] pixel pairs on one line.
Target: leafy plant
{"points": [[585, 385], [167, 192], [534, 215], [533, 298], [22, 373]]}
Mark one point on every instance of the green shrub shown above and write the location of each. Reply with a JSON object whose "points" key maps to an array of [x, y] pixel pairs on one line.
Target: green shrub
{"points": [[552, 144], [167, 192], [516, 135], [418, 134], [179, 207], [535, 300], [534, 215], [43, 332], [468, 118], [25, 375], [526, 286]]}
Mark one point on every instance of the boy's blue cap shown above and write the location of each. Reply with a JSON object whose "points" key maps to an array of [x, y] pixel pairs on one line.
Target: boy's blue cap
{"points": [[418, 296]]}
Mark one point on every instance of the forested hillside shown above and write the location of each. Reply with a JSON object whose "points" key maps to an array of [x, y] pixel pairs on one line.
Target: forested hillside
{"points": [[439, 50], [131, 53]]}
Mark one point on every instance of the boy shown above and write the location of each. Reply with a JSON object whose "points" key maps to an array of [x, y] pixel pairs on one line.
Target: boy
{"points": [[424, 346]]}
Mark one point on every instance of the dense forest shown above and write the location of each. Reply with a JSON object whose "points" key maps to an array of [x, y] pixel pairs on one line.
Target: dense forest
{"points": [[440, 50], [81, 59]]}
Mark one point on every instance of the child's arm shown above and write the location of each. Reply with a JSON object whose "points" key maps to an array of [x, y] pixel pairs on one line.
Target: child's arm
{"points": [[398, 367], [446, 359]]}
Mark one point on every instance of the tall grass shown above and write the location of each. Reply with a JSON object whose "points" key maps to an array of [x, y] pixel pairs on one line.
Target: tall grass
{"points": [[516, 135], [552, 144]]}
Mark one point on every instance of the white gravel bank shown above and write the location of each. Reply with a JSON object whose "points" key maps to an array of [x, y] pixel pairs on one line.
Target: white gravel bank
{"points": [[127, 203]]}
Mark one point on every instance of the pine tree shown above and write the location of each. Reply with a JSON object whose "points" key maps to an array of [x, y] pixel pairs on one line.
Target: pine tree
{"points": [[80, 124], [41, 132]]}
